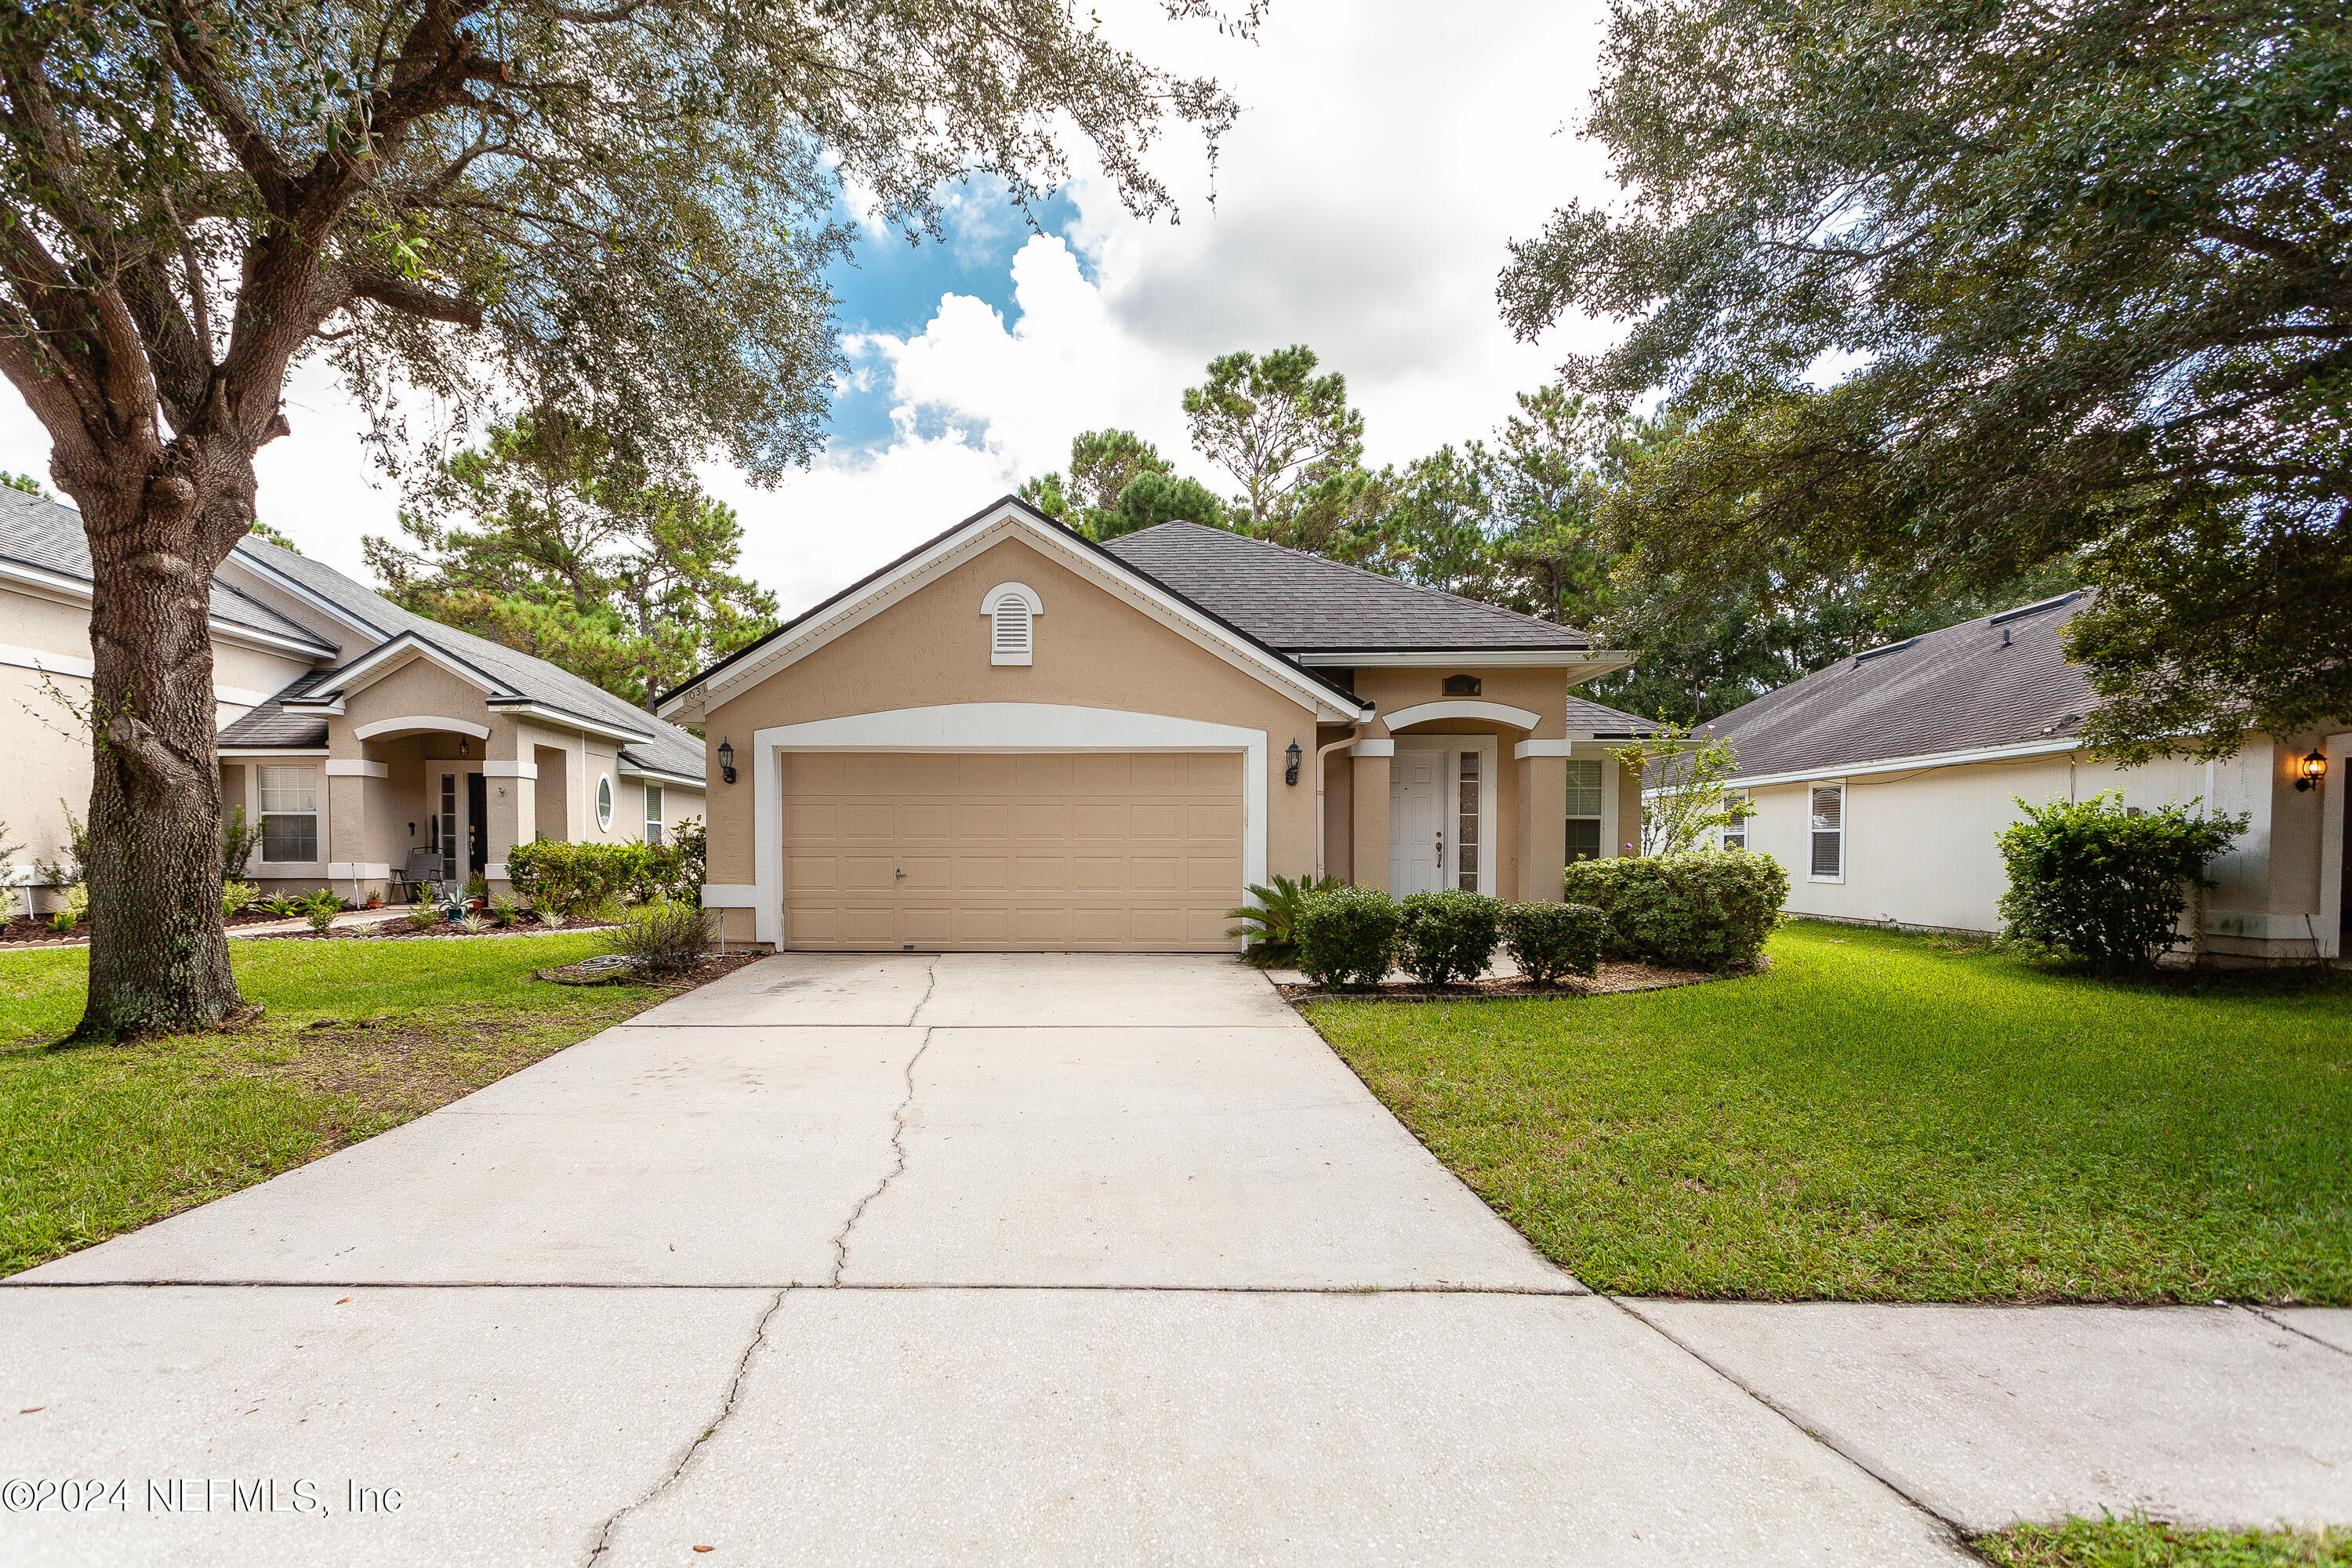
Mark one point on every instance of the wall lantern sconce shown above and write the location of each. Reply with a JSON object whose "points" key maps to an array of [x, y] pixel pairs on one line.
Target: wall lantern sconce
{"points": [[2312, 770], [1290, 774], [465, 747], [727, 761]]}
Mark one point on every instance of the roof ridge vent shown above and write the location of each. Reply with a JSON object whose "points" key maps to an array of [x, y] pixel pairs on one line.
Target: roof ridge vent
{"points": [[2035, 608], [1870, 653]]}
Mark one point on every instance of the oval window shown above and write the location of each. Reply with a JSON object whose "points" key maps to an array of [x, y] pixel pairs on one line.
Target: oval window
{"points": [[604, 803]]}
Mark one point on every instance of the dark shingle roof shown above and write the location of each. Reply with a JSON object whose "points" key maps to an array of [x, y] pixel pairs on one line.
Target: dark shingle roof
{"points": [[1586, 717], [663, 747], [1303, 603], [1952, 690], [49, 535]]}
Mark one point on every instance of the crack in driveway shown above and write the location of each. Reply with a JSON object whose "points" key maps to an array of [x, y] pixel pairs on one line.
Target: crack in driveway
{"points": [[693, 1449], [760, 1329], [898, 1165]]}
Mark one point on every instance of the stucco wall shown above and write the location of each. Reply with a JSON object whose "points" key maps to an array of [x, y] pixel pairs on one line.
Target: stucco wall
{"points": [[43, 757], [1092, 650]]}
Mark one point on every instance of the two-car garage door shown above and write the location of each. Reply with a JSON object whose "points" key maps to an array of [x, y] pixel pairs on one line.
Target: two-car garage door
{"points": [[1137, 851]]}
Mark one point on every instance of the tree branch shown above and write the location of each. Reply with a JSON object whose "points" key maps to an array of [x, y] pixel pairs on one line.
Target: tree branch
{"points": [[413, 299]]}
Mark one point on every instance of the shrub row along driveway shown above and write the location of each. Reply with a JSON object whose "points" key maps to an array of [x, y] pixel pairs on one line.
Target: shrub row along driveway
{"points": [[1129, 1268]]}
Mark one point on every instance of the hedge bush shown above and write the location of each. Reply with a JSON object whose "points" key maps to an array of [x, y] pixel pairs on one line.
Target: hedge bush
{"points": [[1705, 909], [1447, 936], [1345, 936], [1550, 940], [2091, 880]]}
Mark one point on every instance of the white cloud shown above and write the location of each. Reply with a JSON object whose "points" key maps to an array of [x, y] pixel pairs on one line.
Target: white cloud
{"points": [[1386, 156]]}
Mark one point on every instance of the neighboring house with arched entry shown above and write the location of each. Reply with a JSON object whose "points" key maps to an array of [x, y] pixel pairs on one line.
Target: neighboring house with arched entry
{"points": [[355, 734], [1012, 737]]}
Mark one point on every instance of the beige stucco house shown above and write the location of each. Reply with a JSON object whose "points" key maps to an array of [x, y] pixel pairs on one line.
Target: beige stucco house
{"points": [[1882, 782], [353, 732], [1011, 737]]}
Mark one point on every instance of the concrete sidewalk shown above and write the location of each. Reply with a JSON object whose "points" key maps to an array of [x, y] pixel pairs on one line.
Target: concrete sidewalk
{"points": [[1043, 1259]]}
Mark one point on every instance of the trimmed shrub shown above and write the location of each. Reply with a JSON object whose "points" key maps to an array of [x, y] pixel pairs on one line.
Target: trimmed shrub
{"points": [[665, 938], [1347, 935], [573, 878], [2094, 882], [1550, 940], [1448, 936], [1271, 925], [235, 896], [1707, 909]]}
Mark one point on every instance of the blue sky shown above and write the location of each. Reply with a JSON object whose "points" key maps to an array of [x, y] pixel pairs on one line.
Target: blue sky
{"points": [[888, 285], [1365, 200]]}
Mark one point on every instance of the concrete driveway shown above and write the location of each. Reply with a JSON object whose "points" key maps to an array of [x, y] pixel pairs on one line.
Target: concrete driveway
{"points": [[972, 1257]]}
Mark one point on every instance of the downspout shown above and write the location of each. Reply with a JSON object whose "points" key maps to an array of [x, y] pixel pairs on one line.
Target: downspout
{"points": [[1353, 735]]}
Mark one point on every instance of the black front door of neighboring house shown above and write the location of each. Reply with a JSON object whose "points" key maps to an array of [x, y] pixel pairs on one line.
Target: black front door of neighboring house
{"points": [[477, 838]]}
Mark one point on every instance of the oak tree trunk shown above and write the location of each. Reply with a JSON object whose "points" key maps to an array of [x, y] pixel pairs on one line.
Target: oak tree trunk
{"points": [[158, 522]]}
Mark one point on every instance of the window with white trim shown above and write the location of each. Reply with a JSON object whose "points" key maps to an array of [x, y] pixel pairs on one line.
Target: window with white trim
{"points": [[1583, 811], [1735, 832], [290, 813], [604, 803], [653, 813], [1828, 860], [1465, 838], [1012, 609]]}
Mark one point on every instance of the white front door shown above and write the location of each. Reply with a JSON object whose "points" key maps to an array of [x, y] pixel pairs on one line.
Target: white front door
{"points": [[1416, 821]]}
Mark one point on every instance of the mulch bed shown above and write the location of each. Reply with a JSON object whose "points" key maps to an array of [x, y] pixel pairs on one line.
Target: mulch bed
{"points": [[1613, 978], [398, 927], [20, 929], [611, 969]]}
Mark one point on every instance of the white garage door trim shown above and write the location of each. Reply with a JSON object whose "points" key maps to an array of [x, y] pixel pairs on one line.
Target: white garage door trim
{"points": [[984, 727]]}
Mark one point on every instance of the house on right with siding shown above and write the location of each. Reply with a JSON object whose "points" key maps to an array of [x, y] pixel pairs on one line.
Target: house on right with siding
{"points": [[1882, 782]]}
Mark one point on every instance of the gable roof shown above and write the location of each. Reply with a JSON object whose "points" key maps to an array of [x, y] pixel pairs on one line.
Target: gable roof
{"points": [[1303, 604], [1586, 717], [521, 683], [1011, 516], [47, 536], [1999, 681]]}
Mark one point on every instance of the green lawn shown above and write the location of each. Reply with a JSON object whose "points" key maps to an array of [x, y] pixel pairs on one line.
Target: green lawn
{"points": [[1891, 1118], [97, 1140], [2142, 1543]]}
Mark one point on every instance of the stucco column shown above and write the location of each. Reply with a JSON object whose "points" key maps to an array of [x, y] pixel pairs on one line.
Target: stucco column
{"points": [[348, 845], [1372, 814], [1543, 820], [510, 787]]}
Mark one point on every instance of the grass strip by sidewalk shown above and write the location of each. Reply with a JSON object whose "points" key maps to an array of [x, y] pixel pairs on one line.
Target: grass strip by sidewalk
{"points": [[1883, 1117], [97, 1140], [2149, 1543]]}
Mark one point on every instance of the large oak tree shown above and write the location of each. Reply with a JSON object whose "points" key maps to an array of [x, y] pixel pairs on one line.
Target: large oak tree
{"points": [[616, 209], [1957, 292]]}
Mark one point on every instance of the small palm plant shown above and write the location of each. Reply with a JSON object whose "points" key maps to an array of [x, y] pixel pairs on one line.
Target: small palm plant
{"points": [[1271, 925]]}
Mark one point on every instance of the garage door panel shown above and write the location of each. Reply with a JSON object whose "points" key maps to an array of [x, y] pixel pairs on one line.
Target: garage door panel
{"points": [[1205, 874], [1098, 873], [1043, 819], [982, 873], [1051, 850], [1157, 819], [1041, 874], [927, 874], [866, 873], [871, 821], [989, 819], [1093, 819]]}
